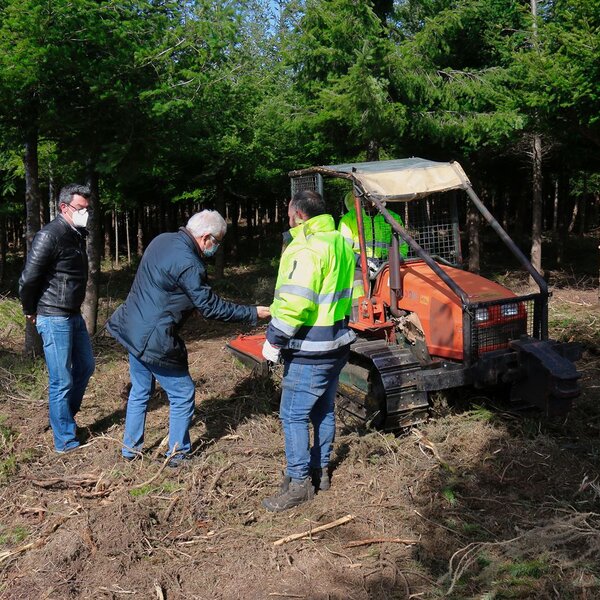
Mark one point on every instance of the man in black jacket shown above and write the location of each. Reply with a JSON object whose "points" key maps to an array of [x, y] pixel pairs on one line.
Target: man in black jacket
{"points": [[52, 289], [169, 284]]}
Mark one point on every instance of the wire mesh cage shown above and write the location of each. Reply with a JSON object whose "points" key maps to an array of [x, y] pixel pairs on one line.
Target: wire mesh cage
{"points": [[313, 182], [433, 223], [494, 324]]}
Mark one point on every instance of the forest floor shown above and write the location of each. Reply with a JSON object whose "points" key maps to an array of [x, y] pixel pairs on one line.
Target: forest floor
{"points": [[477, 503]]}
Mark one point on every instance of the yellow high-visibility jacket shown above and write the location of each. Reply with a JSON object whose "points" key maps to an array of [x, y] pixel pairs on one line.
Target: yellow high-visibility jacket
{"points": [[378, 240], [313, 294], [378, 233]]}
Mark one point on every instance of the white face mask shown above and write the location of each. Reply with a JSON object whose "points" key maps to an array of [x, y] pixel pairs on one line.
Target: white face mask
{"points": [[80, 217]]}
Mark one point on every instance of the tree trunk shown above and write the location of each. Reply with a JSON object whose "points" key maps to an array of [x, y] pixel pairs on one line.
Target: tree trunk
{"points": [[116, 226], [89, 309], [272, 216], [582, 214], [140, 231], [473, 226], [32, 187], [248, 213], [33, 342], [127, 238], [150, 220], [536, 227], [44, 211], [574, 214], [52, 195], [583, 206], [220, 207], [373, 150], [107, 235], [555, 208], [517, 220], [534, 11], [594, 211], [3, 223], [162, 216], [537, 178], [234, 233], [168, 217], [506, 208]]}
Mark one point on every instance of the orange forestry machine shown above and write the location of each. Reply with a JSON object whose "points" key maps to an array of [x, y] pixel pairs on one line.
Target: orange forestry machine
{"points": [[424, 325]]}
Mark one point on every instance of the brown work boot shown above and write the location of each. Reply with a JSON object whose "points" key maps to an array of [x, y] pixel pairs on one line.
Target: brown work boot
{"points": [[320, 479], [297, 492]]}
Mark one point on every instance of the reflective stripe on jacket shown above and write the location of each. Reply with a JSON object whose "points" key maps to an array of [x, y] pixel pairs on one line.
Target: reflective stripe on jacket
{"points": [[378, 233], [313, 294]]}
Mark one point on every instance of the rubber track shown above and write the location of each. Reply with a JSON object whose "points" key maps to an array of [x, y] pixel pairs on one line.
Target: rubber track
{"points": [[404, 405]]}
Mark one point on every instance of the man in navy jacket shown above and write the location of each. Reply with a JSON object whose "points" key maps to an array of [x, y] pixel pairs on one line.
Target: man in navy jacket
{"points": [[170, 282]]}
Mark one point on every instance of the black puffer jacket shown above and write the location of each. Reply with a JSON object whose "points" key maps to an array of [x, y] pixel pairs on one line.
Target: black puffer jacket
{"points": [[56, 272]]}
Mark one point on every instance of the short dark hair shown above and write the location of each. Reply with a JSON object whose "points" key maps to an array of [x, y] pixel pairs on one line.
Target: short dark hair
{"points": [[309, 202], [73, 189]]}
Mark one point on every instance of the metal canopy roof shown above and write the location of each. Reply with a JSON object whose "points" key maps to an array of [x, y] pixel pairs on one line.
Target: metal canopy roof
{"points": [[401, 179]]}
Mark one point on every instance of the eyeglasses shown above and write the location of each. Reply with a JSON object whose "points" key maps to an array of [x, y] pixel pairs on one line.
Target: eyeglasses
{"points": [[82, 210], [215, 240]]}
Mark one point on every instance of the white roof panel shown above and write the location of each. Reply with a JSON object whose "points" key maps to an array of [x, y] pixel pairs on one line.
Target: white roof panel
{"points": [[403, 179]]}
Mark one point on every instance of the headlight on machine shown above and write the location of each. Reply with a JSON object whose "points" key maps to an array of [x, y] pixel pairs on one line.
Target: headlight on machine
{"points": [[509, 310], [482, 314]]}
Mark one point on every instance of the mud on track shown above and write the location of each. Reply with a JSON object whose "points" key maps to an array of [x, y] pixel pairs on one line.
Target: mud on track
{"points": [[489, 503]]}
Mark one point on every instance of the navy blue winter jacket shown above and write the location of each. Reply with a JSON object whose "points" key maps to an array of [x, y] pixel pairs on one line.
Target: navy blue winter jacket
{"points": [[170, 282]]}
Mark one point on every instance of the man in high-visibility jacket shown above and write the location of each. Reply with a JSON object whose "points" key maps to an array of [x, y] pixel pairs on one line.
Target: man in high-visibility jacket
{"points": [[378, 240], [309, 329], [378, 232]]}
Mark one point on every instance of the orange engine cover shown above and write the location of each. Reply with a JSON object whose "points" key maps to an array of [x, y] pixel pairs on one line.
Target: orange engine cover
{"points": [[436, 305]]}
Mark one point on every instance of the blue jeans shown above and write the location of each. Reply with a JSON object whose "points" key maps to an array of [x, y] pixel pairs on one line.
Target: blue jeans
{"points": [[70, 361], [179, 388], [308, 394]]}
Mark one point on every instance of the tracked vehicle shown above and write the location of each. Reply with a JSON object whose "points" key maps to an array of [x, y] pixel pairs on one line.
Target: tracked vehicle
{"points": [[425, 326]]}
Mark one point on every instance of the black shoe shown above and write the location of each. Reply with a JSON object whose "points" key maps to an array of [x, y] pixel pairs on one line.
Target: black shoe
{"points": [[131, 458], [179, 460], [320, 479], [68, 450], [296, 493]]}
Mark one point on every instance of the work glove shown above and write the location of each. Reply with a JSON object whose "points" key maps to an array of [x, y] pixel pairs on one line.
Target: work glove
{"points": [[271, 353]]}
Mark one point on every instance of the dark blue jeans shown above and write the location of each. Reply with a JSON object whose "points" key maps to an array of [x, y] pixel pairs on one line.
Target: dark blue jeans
{"points": [[181, 391], [308, 394], [70, 362]]}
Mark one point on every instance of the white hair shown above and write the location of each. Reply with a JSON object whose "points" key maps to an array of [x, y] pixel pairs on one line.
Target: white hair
{"points": [[207, 221]]}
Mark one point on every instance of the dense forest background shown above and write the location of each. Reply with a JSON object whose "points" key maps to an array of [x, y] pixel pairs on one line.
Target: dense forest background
{"points": [[165, 107]]}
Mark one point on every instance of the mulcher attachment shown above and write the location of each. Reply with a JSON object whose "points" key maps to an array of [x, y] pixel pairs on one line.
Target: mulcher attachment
{"points": [[548, 378], [248, 350]]}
